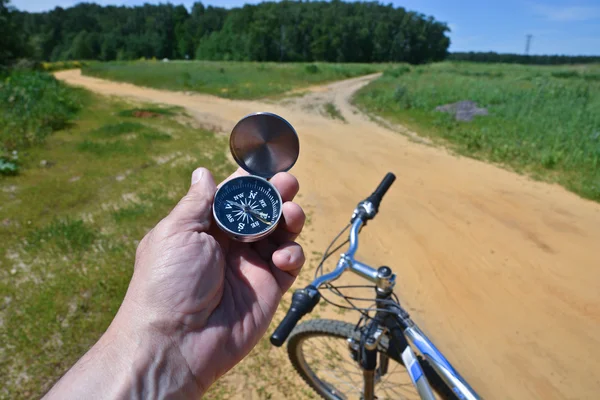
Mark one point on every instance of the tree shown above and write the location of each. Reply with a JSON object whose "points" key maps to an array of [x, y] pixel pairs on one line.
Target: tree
{"points": [[270, 31], [12, 42], [83, 47]]}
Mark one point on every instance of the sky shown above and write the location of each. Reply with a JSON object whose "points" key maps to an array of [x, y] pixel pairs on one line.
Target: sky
{"points": [[557, 26]]}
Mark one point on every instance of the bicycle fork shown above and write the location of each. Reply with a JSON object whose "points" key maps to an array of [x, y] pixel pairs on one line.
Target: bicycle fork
{"points": [[366, 353], [368, 363]]}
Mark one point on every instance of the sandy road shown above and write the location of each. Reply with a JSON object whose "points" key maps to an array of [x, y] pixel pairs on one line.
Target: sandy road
{"points": [[502, 272]]}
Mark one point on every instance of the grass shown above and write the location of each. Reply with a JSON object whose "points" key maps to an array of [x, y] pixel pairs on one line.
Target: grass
{"points": [[70, 224], [544, 121], [332, 111], [32, 106], [235, 80]]}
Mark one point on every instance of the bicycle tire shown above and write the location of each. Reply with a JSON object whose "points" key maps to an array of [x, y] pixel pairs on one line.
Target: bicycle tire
{"points": [[344, 330]]}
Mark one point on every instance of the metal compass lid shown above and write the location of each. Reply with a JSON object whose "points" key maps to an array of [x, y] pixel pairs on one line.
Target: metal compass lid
{"points": [[264, 144]]}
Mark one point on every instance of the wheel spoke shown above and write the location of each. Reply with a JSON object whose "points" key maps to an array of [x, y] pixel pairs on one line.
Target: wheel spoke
{"points": [[329, 359]]}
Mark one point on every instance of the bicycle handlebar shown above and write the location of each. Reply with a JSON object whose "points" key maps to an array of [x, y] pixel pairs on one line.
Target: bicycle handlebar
{"points": [[304, 300], [382, 189]]}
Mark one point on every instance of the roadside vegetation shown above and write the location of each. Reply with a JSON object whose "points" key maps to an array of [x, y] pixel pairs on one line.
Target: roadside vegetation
{"points": [[543, 121], [235, 80], [333, 112], [71, 220], [32, 106]]}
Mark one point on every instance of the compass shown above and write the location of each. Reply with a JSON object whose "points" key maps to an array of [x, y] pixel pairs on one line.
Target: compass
{"points": [[248, 208]]}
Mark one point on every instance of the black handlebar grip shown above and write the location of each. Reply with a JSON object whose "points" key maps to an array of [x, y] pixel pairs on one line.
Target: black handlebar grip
{"points": [[303, 302], [382, 189], [285, 327]]}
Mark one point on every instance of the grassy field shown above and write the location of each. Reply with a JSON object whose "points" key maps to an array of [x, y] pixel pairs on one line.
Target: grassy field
{"points": [[544, 121], [70, 223], [235, 80]]}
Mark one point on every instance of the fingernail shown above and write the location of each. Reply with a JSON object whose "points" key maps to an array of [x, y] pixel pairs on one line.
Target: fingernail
{"points": [[197, 175]]}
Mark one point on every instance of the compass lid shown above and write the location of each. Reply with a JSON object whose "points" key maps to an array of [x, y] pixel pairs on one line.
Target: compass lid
{"points": [[264, 144]]}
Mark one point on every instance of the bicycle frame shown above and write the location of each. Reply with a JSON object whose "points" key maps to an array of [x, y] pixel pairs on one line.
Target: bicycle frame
{"points": [[401, 328]]}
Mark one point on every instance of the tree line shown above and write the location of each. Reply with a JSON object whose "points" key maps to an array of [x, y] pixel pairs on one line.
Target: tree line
{"points": [[284, 31], [491, 57]]}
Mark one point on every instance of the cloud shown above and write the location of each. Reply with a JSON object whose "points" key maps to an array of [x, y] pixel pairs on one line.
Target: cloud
{"points": [[567, 13]]}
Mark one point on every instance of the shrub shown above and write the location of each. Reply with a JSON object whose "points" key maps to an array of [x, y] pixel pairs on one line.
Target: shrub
{"points": [[311, 69], [397, 71], [32, 106]]}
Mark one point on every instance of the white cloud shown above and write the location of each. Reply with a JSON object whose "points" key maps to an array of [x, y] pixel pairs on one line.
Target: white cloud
{"points": [[567, 13]]}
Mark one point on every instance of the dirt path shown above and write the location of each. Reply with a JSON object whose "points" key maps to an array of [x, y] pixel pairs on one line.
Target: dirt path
{"points": [[502, 272]]}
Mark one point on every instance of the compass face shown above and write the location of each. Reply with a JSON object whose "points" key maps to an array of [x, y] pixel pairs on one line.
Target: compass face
{"points": [[247, 208]]}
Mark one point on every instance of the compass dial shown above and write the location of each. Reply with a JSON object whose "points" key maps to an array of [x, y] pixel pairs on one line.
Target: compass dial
{"points": [[247, 208]]}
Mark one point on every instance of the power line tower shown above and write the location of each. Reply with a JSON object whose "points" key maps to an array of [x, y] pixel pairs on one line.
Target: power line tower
{"points": [[527, 44]]}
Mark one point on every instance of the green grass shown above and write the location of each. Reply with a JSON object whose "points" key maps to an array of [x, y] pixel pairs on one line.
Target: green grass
{"points": [[236, 80], [332, 111], [32, 106], [70, 224], [544, 121], [148, 112]]}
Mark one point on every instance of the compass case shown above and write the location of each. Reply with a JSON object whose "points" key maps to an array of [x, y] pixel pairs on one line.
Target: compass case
{"points": [[264, 144]]}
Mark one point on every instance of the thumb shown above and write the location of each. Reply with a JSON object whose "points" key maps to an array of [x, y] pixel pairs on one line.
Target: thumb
{"points": [[194, 210]]}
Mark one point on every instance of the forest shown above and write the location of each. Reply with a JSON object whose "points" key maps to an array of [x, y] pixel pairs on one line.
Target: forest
{"points": [[285, 31], [507, 58]]}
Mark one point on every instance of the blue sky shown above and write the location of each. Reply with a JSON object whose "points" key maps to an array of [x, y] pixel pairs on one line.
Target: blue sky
{"points": [[558, 27]]}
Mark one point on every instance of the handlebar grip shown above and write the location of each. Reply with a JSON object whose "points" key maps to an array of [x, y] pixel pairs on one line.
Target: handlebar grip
{"points": [[285, 327], [382, 189], [303, 302]]}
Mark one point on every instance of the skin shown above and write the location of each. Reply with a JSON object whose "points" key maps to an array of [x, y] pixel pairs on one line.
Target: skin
{"points": [[197, 303]]}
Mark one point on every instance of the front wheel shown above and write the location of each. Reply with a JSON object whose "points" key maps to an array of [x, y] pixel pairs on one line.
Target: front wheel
{"points": [[319, 351]]}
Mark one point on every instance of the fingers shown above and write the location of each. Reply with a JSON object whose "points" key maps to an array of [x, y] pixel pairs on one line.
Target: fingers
{"points": [[287, 185], [193, 212], [286, 264], [291, 224], [289, 257]]}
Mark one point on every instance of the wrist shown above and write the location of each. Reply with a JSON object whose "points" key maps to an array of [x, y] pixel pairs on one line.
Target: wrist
{"points": [[150, 362]]}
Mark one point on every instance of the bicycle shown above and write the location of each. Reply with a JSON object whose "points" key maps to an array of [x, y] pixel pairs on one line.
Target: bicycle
{"points": [[374, 342]]}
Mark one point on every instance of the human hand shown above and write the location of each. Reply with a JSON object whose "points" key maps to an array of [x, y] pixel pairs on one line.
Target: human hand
{"points": [[211, 297]]}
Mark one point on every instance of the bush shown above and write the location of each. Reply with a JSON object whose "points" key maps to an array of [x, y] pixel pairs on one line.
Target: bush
{"points": [[32, 106], [397, 71], [61, 65], [311, 69]]}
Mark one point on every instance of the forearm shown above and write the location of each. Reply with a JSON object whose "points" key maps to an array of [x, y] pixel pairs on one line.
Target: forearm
{"points": [[128, 363]]}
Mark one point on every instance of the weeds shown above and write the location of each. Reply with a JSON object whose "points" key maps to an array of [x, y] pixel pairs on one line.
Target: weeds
{"points": [[542, 120], [333, 112], [32, 106], [9, 163], [150, 112], [66, 235]]}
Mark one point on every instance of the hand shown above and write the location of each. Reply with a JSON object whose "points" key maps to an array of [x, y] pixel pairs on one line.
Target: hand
{"points": [[210, 296]]}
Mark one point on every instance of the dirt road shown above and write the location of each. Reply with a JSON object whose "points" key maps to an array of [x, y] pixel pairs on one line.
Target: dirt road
{"points": [[502, 272]]}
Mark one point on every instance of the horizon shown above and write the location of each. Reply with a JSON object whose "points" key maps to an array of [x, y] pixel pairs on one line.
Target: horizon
{"points": [[557, 28]]}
